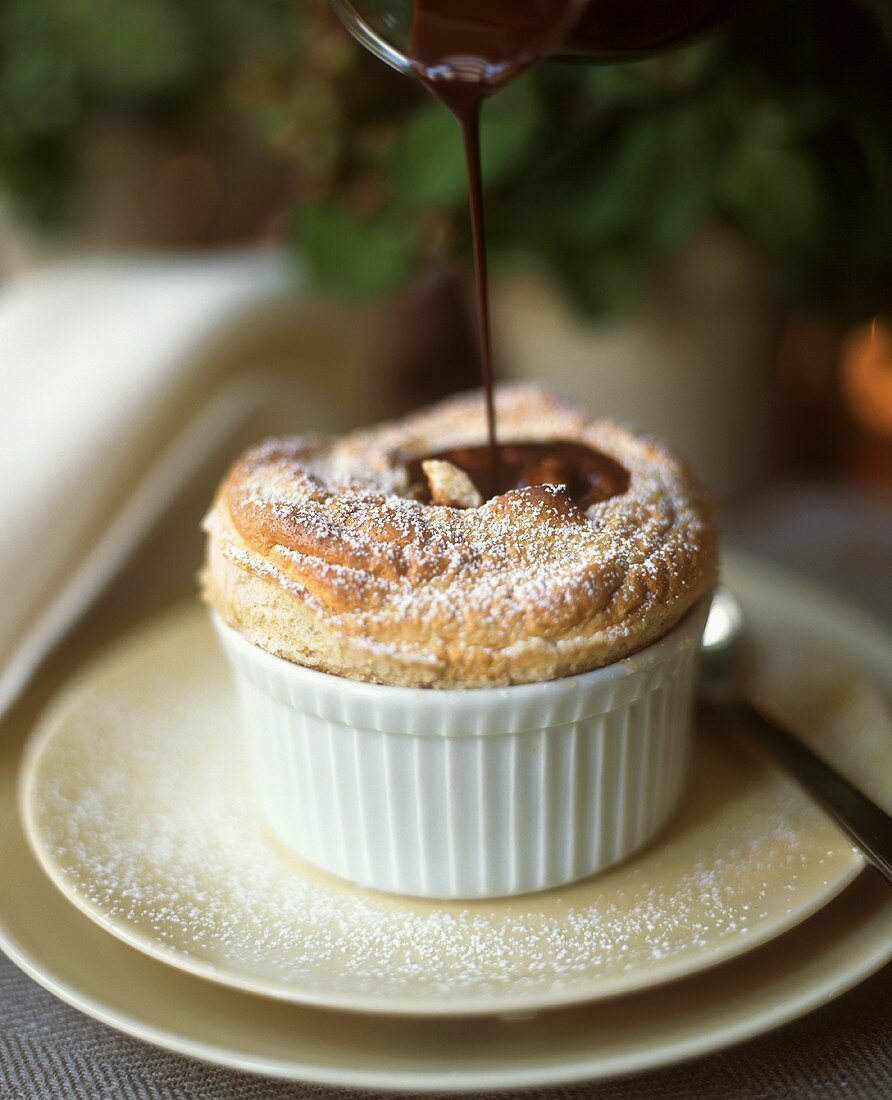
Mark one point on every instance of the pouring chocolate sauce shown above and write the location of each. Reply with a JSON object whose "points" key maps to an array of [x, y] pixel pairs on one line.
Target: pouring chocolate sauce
{"points": [[466, 50]]}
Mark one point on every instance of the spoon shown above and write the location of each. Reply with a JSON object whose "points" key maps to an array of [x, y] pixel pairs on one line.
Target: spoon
{"points": [[866, 825]]}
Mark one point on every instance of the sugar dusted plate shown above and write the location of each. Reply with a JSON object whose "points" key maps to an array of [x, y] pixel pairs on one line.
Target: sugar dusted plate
{"points": [[134, 800]]}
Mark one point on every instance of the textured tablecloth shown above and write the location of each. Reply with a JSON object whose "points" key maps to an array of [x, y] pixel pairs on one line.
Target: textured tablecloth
{"points": [[844, 1050]]}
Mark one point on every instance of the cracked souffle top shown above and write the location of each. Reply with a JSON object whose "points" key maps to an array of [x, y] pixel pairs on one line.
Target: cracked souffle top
{"points": [[398, 555]]}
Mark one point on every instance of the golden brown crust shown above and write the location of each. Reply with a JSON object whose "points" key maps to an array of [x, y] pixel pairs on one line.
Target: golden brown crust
{"points": [[315, 554]]}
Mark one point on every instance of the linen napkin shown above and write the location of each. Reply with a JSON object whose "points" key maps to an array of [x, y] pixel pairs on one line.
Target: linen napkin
{"points": [[111, 391]]}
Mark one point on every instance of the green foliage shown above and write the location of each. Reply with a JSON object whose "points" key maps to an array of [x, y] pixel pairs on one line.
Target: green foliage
{"points": [[426, 166], [778, 126], [359, 256], [64, 63]]}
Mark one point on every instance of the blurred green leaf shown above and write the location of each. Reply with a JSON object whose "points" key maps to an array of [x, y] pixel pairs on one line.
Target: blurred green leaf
{"points": [[774, 194], [696, 61], [601, 194], [510, 131], [135, 44], [680, 197], [359, 256], [612, 86], [427, 163], [606, 281]]}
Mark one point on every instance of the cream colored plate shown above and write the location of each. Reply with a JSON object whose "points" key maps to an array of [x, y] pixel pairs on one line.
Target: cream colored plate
{"points": [[836, 948], [135, 802]]}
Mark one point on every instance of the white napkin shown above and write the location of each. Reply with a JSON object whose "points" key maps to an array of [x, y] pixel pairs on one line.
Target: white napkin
{"points": [[108, 399]]}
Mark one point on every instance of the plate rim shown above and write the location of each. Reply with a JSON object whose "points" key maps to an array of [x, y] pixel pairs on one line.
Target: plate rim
{"points": [[860, 961], [751, 573]]}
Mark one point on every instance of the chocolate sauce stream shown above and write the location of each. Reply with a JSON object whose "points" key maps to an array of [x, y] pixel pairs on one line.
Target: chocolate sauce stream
{"points": [[470, 124], [464, 50]]}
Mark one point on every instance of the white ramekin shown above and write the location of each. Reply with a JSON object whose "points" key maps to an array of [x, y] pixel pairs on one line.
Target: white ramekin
{"points": [[468, 794]]}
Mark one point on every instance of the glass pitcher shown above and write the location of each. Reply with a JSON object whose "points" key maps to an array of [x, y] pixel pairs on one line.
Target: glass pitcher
{"points": [[595, 30]]}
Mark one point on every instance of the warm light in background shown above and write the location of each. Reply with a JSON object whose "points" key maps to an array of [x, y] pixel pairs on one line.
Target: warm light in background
{"points": [[866, 377]]}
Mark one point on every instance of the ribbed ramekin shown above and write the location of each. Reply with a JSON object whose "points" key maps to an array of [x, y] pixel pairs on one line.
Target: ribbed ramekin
{"points": [[475, 793]]}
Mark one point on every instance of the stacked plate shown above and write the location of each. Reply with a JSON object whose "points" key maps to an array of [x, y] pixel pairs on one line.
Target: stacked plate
{"points": [[747, 911]]}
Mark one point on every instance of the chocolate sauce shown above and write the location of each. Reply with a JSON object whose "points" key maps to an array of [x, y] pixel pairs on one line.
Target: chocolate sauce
{"points": [[464, 50], [586, 474]]}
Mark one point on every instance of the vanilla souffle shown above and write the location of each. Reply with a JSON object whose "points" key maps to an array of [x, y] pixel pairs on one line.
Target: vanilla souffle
{"points": [[328, 553]]}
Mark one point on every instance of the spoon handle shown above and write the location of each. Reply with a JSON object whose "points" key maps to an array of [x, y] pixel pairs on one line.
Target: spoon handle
{"points": [[868, 826]]}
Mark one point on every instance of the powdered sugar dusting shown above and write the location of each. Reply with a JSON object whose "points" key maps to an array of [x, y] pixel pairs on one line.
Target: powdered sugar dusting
{"points": [[141, 802], [524, 587]]}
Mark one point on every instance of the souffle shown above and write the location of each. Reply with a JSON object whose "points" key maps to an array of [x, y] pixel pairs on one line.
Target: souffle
{"points": [[363, 557]]}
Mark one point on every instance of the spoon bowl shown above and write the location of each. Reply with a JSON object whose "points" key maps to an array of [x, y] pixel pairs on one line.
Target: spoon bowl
{"points": [[867, 825], [720, 648]]}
